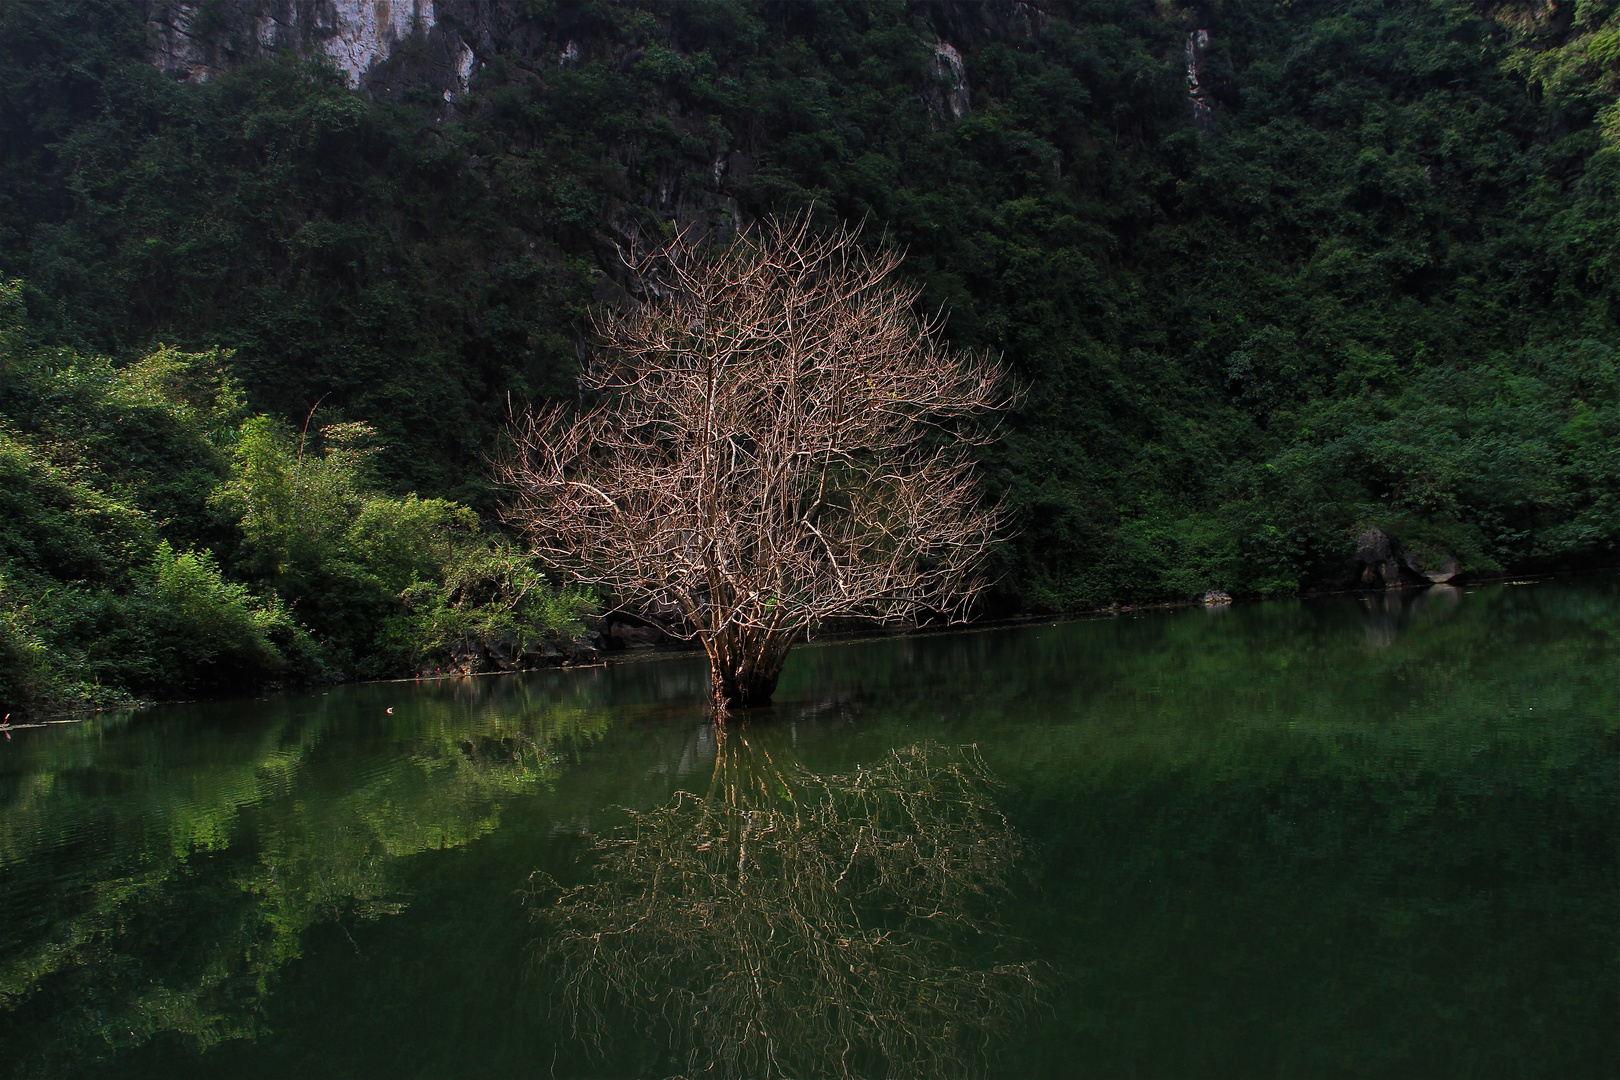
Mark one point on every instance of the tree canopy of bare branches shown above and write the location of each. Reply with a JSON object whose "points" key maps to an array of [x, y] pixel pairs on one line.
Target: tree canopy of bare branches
{"points": [[775, 439]]}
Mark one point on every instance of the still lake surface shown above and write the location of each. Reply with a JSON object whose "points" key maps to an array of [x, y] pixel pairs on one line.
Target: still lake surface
{"points": [[1335, 838]]}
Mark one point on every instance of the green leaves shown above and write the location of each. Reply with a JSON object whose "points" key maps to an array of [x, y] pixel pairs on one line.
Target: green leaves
{"points": [[1391, 189], [154, 544], [488, 593]]}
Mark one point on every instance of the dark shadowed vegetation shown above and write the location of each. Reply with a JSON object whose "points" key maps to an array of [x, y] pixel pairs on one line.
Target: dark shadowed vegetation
{"points": [[157, 542], [1378, 288]]}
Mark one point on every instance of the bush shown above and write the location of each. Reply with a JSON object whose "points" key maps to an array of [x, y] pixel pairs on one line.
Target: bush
{"points": [[155, 544], [191, 632], [337, 554], [490, 595], [32, 683]]}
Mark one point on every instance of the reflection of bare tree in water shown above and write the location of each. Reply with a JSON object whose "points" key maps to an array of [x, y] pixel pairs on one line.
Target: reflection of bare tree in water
{"points": [[802, 925]]}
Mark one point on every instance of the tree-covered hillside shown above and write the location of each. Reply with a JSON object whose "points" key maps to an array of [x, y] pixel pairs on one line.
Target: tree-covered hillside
{"points": [[1370, 279]]}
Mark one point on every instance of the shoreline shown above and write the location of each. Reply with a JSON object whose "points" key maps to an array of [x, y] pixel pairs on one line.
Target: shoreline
{"points": [[644, 655]]}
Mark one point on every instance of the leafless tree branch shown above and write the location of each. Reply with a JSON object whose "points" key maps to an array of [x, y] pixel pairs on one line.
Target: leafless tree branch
{"points": [[777, 440]]}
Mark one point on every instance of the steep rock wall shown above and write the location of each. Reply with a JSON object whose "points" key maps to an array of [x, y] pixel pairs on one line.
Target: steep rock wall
{"points": [[388, 47]]}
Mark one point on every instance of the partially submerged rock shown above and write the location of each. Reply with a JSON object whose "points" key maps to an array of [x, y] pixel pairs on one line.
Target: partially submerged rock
{"points": [[466, 657], [627, 636], [583, 650], [1430, 563], [1376, 553], [541, 654], [1383, 560], [473, 656]]}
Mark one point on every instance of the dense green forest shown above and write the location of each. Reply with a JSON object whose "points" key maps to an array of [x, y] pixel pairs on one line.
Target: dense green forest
{"points": [[262, 332]]}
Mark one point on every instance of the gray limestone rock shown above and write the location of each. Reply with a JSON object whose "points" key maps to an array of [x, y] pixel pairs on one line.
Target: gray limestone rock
{"points": [[1376, 553], [627, 636], [1430, 562], [196, 40], [584, 649]]}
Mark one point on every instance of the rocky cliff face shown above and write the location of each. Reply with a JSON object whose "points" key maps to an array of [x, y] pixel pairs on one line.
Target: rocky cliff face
{"points": [[1203, 108], [385, 46], [390, 47], [951, 96], [430, 51]]}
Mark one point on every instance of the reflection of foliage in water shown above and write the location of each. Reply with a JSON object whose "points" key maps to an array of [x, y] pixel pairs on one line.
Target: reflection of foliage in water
{"points": [[1360, 837], [1267, 844], [802, 924], [1410, 676], [254, 838]]}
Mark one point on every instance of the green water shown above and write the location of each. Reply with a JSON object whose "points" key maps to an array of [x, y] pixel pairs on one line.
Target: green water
{"points": [[1338, 838]]}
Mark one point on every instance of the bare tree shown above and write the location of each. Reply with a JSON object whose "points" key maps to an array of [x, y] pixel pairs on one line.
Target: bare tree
{"points": [[777, 440]]}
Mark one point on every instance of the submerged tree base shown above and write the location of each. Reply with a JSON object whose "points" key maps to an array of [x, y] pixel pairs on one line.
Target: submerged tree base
{"points": [[744, 668], [744, 690], [733, 695]]}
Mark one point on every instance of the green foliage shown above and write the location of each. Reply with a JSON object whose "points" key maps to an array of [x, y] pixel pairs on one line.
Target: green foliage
{"points": [[491, 594], [196, 633], [1507, 463], [1240, 346], [384, 583], [55, 524], [152, 430], [95, 610], [98, 467], [123, 491], [1511, 462], [30, 682]]}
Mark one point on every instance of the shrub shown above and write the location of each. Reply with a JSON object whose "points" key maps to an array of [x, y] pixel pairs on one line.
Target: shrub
{"points": [[490, 594]]}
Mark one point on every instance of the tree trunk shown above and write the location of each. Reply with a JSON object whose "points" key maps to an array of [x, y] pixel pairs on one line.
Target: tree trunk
{"points": [[745, 665], [744, 689]]}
